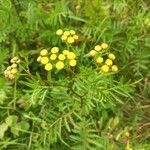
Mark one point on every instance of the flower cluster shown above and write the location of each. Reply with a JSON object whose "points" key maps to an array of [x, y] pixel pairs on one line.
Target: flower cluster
{"points": [[109, 64], [106, 65], [98, 49], [56, 59], [11, 70], [68, 36]]}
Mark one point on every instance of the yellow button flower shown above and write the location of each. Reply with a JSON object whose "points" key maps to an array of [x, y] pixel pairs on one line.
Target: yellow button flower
{"points": [[111, 56], [44, 52], [15, 58], [39, 59], [5, 72], [76, 37], [53, 57], [72, 62], [11, 76], [72, 32], [92, 53], [14, 65], [105, 68], [99, 60], [61, 57], [48, 66], [98, 48], [109, 62], [60, 65], [13, 71], [44, 60], [66, 33], [104, 46], [114, 68], [55, 50], [70, 40], [64, 37], [9, 68], [71, 55], [59, 32], [12, 61], [65, 52], [8, 71]]}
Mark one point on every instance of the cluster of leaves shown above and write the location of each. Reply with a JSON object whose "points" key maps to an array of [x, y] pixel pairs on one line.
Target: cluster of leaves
{"points": [[78, 109]]}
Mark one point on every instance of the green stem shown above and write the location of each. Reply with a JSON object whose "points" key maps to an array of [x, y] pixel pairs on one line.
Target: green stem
{"points": [[15, 93], [49, 76], [14, 47]]}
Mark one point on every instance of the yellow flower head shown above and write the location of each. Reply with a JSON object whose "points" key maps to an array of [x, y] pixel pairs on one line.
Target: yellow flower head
{"points": [[64, 37], [72, 62], [109, 62], [92, 53], [55, 50], [98, 48], [44, 52], [39, 59], [111, 56], [104, 46], [44, 60], [99, 60], [66, 33], [65, 52], [76, 37], [114, 68], [70, 40], [14, 65], [9, 68], [105, 68], [11, 76], [5, 72], [61, 57], [48, 67], [60, 65], [72, 32], [71, 55], [59, 32], [10, 72], [15, 60], [53, 57], [13, 71], [12, 61]]}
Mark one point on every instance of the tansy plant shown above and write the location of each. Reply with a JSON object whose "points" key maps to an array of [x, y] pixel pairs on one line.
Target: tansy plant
{"points": [[79, 96], [103, 58], [66, 101]]}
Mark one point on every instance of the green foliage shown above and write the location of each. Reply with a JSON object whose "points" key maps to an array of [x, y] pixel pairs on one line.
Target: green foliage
{"points": [[81, 108]]}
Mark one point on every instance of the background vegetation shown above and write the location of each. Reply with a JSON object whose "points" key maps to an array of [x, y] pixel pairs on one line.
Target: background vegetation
{"points": [[86, 110]]}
